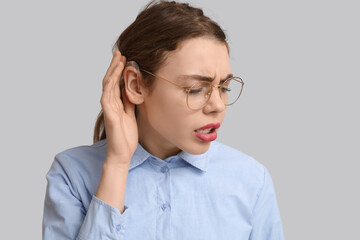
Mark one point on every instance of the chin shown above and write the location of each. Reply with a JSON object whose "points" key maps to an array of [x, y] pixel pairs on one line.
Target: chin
{"points": [[198, 148]]}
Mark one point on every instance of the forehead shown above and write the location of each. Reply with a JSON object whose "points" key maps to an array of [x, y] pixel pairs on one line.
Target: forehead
{"points": [[184, 79], [197, 56]]}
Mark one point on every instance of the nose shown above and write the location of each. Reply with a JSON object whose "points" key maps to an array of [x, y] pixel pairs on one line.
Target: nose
{"points": [[215, 103]]}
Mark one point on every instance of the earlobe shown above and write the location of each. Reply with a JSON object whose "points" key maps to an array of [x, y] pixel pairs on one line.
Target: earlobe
{"points": [[133, 88]]}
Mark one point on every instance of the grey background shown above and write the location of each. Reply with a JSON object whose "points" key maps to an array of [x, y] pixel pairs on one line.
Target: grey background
{"points": [[298, 115]]}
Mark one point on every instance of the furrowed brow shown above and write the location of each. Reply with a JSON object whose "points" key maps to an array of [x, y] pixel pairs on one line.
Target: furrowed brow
{"points": [[201, 78]]}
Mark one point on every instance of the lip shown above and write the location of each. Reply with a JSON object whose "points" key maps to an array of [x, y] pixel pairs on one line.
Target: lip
{"points": [[207, 137], [210, 125]]}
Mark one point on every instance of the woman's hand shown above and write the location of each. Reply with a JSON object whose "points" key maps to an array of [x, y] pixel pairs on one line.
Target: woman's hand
{"points": [[119, 116]]}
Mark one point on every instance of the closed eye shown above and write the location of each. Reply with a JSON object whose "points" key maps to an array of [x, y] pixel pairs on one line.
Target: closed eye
{"points": [[225, 89], [196, 91]]}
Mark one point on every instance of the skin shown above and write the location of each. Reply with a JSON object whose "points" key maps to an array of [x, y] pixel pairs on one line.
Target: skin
{"points": [[165, 125]]}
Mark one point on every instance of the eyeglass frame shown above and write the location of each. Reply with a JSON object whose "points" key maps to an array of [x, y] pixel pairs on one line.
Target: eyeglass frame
{"points": [[187, 89]]}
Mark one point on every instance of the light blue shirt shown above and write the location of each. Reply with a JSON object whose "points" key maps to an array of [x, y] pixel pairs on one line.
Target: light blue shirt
{"points": [[220, 194]]}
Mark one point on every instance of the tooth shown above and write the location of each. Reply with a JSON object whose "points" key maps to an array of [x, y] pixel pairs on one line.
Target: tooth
{"points": [[208, 130]]}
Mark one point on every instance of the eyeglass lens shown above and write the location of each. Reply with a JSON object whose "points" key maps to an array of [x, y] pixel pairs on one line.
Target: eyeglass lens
{"points": [[199, 93]]}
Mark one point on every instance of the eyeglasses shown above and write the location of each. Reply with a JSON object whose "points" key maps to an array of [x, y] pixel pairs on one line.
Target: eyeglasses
{"points": [[200, 92]]}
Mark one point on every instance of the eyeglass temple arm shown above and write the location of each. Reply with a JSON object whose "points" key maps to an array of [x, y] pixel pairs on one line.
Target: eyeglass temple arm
{"points": [[134, 64]]}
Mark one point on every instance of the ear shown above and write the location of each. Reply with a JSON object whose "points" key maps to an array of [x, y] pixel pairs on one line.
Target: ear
{"points": [[133, 87]]}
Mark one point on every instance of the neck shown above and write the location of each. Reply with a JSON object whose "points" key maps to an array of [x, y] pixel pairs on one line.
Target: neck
{"points": [[152, 141]]}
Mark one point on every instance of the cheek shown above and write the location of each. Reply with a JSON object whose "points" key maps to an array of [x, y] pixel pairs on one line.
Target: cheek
{"points": [[171, 113]]}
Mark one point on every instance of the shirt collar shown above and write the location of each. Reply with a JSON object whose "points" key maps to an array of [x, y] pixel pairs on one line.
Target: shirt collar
{"points": [[199, 161]]}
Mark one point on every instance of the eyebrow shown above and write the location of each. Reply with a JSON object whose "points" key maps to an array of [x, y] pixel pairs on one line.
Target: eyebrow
{"points": [[202, 78]]}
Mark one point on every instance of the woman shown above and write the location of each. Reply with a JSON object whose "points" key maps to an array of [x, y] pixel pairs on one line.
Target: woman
{"points": [[155, 170]]}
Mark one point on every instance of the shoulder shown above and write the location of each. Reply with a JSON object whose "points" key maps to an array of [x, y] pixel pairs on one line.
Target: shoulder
{"points": [[81, 162], [237, 163], [79, 168], [225, 154], [83, 155], [75, 172]]}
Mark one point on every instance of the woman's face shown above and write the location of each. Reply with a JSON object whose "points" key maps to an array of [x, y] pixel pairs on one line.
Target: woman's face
{"points": [[166, 124]]}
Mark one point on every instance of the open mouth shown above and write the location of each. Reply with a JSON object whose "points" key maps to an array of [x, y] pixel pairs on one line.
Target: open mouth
{"points": [[206, 131], [207, 134], [209, 128]]}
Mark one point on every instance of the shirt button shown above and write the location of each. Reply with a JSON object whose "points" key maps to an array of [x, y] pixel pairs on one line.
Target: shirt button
{"points": [[164, 169], [118, 227], [164, 206]]}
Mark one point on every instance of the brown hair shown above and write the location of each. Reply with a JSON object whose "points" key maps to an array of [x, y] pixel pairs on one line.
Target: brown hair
{"points": [[157, 30]]}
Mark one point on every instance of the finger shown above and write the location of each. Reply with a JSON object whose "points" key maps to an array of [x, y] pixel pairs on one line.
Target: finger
{"points": [[116, 73], [114, 85], [113, 64], [114, 78], [114, 61], [122, 66], [116, 88], [110, 99]]}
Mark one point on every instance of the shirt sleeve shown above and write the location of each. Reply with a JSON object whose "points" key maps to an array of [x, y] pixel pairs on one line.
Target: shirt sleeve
{"points": [[266, 220], [65, 216]]}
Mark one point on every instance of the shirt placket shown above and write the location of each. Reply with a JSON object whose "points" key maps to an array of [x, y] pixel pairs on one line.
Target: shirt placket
{"points": [[164, 203]]}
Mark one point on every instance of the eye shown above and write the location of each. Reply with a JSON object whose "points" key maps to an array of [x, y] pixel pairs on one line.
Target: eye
{"points": [[226, 86], [225, 89], [196, 91], [200, 88]]}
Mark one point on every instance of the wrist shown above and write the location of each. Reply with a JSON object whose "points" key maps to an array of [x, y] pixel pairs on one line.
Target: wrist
{"points": [[114, 162], [113, 166]]}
